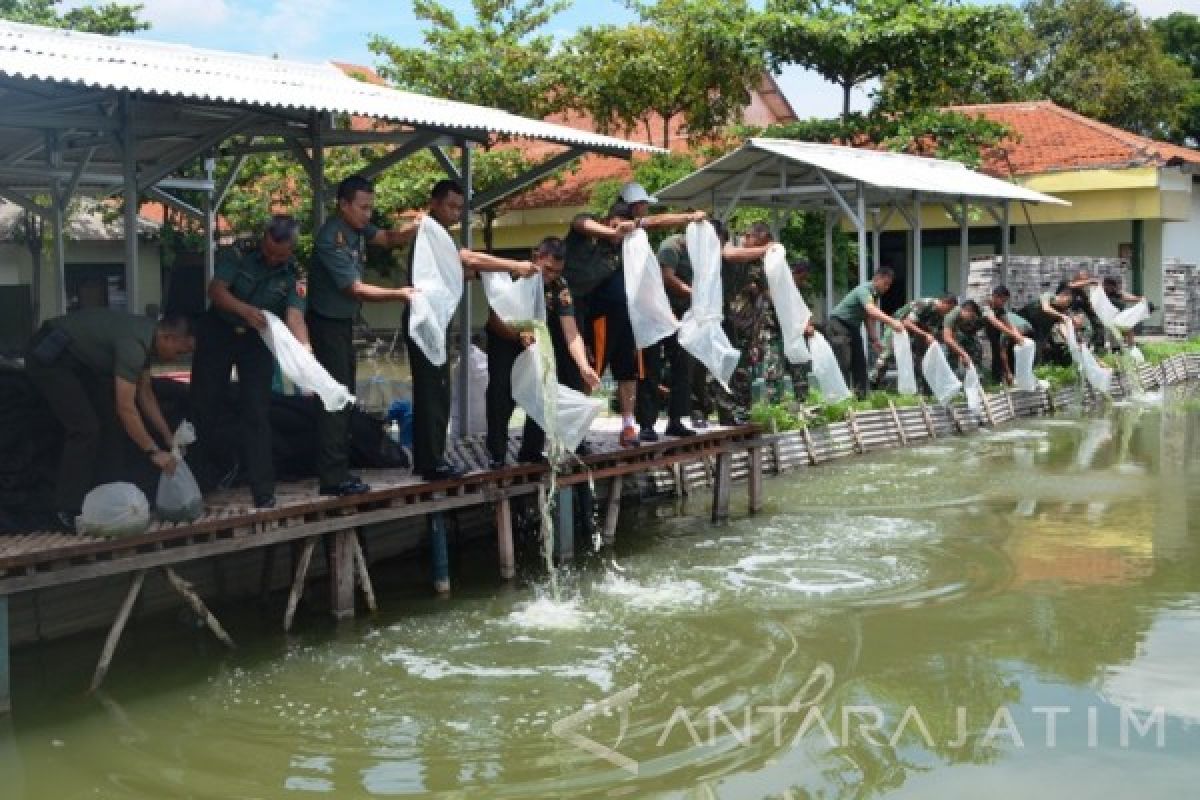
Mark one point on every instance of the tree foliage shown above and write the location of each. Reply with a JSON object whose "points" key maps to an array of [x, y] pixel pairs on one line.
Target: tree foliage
{"points": [[111, 18], [850, 42], [498, 61], [693, 60], [1179, 37]]}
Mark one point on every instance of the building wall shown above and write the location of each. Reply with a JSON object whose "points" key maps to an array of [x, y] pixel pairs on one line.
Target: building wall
{"points": [[16, 268]]}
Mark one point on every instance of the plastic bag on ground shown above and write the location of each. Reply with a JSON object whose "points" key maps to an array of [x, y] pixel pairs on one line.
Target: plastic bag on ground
{"points": [[700, 331], [437, 273], [477, 383], [973, 389], [791, 311], [1023, 375], [906, 373], [299, 365], [826, 371], [650, 313], [938, 374], [114, 509], [523, 298], [573, 412]]}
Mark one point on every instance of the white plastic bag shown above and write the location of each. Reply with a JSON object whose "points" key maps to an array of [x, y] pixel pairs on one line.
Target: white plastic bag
{"points": [[1104, 308], [700, 331], [178, 498], [301, 368], [114, 509], [565, 415], [790, 309], [437, 272], [938, 374], [1023, 375], [477, 383], [906, 373], [826, 371], [1132, 316], [650, 313], [973, 389], [515, 299], [1135, 353], [1099, 376]]}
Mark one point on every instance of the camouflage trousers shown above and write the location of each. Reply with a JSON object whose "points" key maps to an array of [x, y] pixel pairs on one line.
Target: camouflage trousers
{"points": [[763, 375]]}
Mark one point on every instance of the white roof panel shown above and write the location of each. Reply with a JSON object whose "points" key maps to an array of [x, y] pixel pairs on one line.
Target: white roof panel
{"points": [[763, 160], [156, 68]]}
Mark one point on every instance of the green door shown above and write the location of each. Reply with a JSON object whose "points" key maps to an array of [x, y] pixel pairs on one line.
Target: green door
{"points": [[933, 270]]}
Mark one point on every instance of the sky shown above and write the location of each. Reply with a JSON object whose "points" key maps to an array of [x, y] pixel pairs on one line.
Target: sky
{"points": [[337, 30]]}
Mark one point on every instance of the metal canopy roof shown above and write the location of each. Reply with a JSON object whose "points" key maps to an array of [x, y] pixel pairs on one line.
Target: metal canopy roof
{"points": [[85, 60], [782, 173]]}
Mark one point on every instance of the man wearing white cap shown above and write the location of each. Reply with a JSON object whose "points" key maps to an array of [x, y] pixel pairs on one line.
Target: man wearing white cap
{"points": [[597, 279]]}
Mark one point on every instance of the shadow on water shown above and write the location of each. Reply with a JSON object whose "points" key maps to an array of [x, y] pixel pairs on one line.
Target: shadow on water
{"points": [[896, 625]]}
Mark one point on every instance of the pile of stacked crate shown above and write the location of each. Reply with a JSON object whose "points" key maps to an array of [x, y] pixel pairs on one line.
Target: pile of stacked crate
{"points": [[1181, 300], [1028, 276]]}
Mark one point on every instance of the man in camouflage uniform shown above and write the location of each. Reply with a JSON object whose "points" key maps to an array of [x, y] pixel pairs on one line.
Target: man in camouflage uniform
{"points": [[922, 318], [960, 333]]}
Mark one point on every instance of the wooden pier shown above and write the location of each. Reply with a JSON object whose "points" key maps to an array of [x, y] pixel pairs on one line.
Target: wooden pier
{"points": [[41, 560]]}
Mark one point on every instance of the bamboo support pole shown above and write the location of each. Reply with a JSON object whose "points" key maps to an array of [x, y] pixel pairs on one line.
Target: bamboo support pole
{"points": [[896, 421], [185, 590], [364, 576], [928, 419], [306, 553], [808, 445], [720, 507], [118, 627], [852, 424], [755, 480]]}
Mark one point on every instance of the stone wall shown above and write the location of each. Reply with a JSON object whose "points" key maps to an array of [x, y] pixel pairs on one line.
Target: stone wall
{"points": [[1029, 276], [1181, 300]]}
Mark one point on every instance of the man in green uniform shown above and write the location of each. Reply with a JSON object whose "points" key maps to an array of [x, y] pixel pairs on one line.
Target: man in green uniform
{"points": [[858, 309], [92, 369], [595, 271], [336, 291], [1005, 330], [1058, 351], [505, 343], [1044, 314], [960, 333], [922, 318], [431, 382], [244, 285]]}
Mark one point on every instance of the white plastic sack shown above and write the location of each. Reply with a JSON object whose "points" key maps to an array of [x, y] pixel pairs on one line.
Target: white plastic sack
{"points": [[650, 313], [973, 389], [1132, 316], [1135, 353], [114, 509], [178, 498], [1104, 308], [519, 299], [477, 383], [437, 272], [790, 309], [826, 371], [573, 412], [301, 368], [700, 331], [906, 373], [1023, 375], [938, 374], [1099, 376]]}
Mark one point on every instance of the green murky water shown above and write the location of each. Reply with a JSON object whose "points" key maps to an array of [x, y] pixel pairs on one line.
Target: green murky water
{"points": [[1015, 614]]}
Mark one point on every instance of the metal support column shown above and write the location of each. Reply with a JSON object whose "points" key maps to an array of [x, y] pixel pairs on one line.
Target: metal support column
{"points": [[210, 225], [316, 175], [916, 246], [133, 294], [564, 528], [830, 221], [964, 247], [464, 344], [58, 207], [877, 236], [861, 224], [1005, 247]]}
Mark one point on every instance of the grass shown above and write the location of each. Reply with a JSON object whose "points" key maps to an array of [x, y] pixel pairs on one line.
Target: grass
{"points": [[1156, 352]]}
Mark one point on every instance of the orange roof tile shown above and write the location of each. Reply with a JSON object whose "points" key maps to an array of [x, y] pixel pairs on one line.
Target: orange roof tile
{"points": [[1050, 138]]}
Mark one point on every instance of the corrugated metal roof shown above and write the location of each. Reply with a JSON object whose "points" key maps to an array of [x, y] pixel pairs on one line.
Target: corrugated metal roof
{"points": [[173, 70], [883, 173]]}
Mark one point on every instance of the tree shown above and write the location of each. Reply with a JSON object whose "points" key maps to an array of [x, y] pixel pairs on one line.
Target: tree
{"points": [[1179, 37], [695, 60], [852, 42], [111, 19], [497, 62], [1100, 58]]}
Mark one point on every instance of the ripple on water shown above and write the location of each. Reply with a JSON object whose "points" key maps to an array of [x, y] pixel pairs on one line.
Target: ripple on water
{"points": [[663, 594]]}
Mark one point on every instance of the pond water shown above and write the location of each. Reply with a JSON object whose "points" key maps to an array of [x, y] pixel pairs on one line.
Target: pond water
{"points": [[1014, 614]]}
